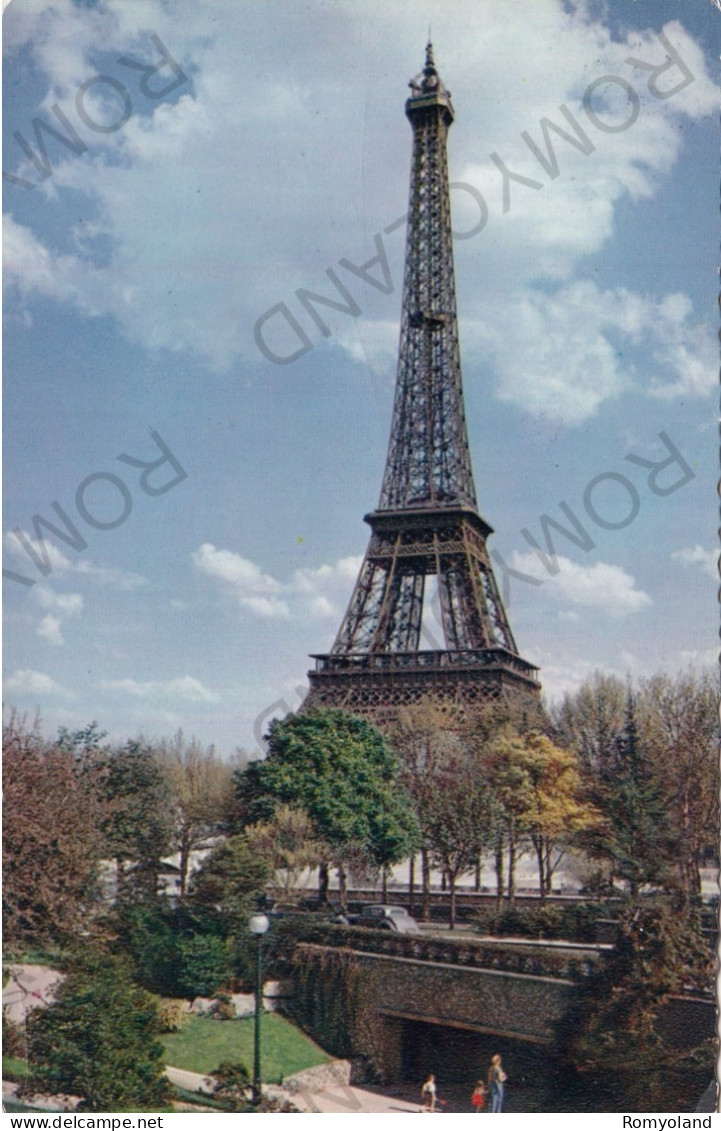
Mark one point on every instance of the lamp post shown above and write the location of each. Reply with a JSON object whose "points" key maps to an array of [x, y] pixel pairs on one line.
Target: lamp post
{"points": [[257, 925]]}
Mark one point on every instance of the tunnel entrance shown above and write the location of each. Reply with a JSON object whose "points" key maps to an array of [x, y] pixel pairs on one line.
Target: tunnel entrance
{"points": [[459, 1056], [455, 1054]]}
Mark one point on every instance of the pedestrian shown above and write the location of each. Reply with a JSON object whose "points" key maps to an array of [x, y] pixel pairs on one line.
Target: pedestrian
{"points": [[496, 1081], [428, 1093], [478, 1099]]}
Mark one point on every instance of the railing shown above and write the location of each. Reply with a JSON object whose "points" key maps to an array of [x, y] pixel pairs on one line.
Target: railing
{"points": [[466, 952], [422, 661]]}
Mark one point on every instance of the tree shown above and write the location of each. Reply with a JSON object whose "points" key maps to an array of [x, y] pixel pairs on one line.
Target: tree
{"points": [[558, 810], [340, 770], [422, 736], [204, 965], [81, 743], [229, 881], [679, 719], [639, 840], [610, 1038], [506, 770], [201, 793], [455, 816], [440, 749], [138, 827], [175, 950], [287, 844], [98, 1040], [223, 893], [51, 843], [148, 936], [589, 722]]}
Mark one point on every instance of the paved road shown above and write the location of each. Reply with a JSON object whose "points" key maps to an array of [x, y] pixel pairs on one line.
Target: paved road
{"points": [[338, 1098], [191, 1081]]}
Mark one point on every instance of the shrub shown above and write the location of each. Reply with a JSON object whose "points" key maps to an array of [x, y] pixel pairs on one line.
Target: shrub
{"points": [[13, 1038], [204, 965], [172, 954], [222, 1008], [575, 922], [98, 1040], [172, 1014], [232, 1085]]}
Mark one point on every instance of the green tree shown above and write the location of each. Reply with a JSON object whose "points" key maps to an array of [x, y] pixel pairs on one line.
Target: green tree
{"points": [[176, 951], [148, 935], [98, 1041], [205, 964], [639, 840], [341, 771], [229, 881], [138, 827], [232, 1086], [223, 893], [81, 743]]}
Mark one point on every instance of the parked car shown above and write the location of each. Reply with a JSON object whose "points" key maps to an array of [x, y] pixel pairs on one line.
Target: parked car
{"points": [[384, 917], [283, 910]]}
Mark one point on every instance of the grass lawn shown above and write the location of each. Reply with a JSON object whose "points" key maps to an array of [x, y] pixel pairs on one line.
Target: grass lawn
{"points": [[203, 1044], [14, 1068], [34, 956]]}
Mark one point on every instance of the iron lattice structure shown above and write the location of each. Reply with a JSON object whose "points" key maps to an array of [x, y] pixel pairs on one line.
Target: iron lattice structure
{"points": [[427, 523]]}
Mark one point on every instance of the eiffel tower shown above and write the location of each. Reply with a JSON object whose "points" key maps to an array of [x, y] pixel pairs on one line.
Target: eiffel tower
{"points": [[427, 524]]}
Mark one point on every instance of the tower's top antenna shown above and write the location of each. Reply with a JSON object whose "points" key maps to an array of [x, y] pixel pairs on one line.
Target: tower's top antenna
{"points": [[428, 82]]}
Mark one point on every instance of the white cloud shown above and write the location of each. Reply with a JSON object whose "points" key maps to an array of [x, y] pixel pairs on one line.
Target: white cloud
{"points": [[26, 681], [65, 604], [62, 606], [561, 355], [55, 558], [49, 629], [323, 593], [108, 577], [57, 562], [31, 267], [319, 593], [607, 588], [559, 678], [184, 689], [254, 589], [173, 157], [708, 560]]}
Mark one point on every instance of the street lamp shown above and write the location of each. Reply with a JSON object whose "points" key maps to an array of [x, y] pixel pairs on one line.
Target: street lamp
{"points": [[257, 925]]}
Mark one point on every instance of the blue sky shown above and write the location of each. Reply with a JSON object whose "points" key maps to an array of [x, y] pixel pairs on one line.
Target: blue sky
{"points": [[194, 200]]}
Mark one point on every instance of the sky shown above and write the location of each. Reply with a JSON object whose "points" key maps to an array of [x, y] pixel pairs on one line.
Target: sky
{"points": [[205, 437]]}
